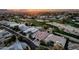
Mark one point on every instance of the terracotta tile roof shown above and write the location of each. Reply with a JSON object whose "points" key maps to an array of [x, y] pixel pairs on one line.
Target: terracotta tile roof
{"points": [[40, 35]]}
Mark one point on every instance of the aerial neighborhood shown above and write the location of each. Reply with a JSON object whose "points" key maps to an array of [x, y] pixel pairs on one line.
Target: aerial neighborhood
{"points": [[43, 31]]}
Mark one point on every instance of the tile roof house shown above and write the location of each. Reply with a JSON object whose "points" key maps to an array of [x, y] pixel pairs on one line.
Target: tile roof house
{"points": [[73, 46], [55, 38], [10, 24], [23, 27], [32, 30], [40, 35], [27, 29], [13, 24], [4, 34]]}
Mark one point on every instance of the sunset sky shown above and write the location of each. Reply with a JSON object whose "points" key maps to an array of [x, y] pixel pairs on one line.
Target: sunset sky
{"points": [[37, 11], [30, 11]]}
